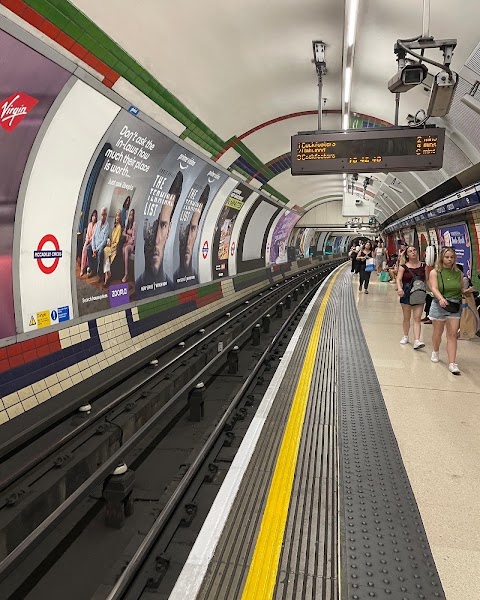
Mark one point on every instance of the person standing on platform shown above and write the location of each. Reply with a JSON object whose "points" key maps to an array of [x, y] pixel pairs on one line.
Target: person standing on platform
{"points": [[353, 257], [380, 257], [366, 264], [411, 271], [446, 283]]}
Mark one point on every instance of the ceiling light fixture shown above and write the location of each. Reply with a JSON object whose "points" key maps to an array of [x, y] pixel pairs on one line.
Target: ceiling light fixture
{"points": [[352, 22], [347, 86], [351, 17]]}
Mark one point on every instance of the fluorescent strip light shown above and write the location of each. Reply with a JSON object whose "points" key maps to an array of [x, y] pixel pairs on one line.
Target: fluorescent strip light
{"points": [[346, 120], [347, 85], [352, 22]]}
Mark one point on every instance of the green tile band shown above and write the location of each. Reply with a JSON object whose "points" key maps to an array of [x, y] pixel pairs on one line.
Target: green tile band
{"points": [[206, 290], [79, 27]]}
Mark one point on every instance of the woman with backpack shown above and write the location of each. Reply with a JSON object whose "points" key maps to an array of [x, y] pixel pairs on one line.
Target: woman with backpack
{"points": [[412, 289]]}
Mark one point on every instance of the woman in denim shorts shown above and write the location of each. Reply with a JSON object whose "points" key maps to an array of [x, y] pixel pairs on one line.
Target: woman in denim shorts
{"points": [[446, 283]]}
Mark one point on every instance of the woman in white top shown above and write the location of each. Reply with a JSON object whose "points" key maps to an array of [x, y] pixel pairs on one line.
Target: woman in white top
{"points": [[380, 257]]}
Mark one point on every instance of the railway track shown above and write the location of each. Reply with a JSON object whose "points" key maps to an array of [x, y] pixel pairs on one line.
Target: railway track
{"points": [[136, 424]]}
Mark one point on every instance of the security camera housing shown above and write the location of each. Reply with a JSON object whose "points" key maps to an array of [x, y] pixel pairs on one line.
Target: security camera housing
{"points": [[441, 96], [407, 78]]}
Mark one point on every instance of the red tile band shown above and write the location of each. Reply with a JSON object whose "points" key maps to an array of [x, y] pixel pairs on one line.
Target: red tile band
{"points": [[38, 21]]}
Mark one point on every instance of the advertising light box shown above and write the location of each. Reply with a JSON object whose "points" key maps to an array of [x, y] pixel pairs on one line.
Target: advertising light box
{"points": [[29, 84]]}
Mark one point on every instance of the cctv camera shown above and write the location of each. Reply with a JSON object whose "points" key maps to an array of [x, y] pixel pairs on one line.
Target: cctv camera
{"points": [[408, 77]]}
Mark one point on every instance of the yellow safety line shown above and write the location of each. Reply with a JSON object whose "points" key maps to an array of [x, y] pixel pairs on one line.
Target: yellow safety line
{"points": [[262, 574]]}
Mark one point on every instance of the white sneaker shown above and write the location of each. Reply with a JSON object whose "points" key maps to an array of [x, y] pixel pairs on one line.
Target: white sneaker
{"points": [[418, 344], [434, 357], [404, 339], [453, 368]]}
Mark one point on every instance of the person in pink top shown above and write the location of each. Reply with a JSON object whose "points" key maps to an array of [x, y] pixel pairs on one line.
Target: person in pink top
{"points": [[129, 246], [88, 238]]}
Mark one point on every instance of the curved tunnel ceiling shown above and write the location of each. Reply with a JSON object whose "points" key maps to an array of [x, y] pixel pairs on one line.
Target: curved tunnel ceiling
{"points": [[244, 69]]}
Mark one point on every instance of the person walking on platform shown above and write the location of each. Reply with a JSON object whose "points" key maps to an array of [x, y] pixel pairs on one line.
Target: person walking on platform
{"points": [[411, 288], [366, 264], [446, 283], [353, 257]]}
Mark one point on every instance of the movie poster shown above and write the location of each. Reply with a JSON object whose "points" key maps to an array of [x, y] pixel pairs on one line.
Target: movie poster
{"points": [[224, 228], [29, 84], [188, 228]]}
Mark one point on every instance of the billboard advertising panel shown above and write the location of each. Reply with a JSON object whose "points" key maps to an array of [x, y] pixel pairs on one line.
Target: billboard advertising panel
{"points": [[190, 230], [158, 241], [457, 237], [56, 179], [208, 225], [224, 228], [125, 192], [29, 83], [281, 233]]}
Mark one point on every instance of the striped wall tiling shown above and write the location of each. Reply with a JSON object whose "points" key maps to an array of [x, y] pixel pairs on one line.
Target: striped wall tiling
{"points": [[76, 33], [35, 370]]}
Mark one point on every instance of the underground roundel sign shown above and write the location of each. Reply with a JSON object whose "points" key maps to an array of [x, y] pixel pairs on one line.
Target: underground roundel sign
{"points": [[42, 254], [232, 249], [205, 249]]}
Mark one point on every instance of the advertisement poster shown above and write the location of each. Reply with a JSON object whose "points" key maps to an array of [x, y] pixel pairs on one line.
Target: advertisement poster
{"points": [[423, 245], [209, 182], [224, 228], [457, 237], [336, 244], [432, 234], [409, 236], [126, 194], [281, 233], [29, 83], [47, 251]]}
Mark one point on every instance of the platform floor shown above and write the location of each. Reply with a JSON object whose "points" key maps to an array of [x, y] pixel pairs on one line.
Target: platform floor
{"points": [[436, 419], [383, 486]]}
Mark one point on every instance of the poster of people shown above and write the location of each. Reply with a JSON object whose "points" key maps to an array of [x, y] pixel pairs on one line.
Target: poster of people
{"points": [[29, 84], [281, 233], [124, 190], [189, 229], [224, 228], [158, 265], [456, 236]]}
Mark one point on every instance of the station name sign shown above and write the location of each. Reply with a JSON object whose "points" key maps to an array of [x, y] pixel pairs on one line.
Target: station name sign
{"points": [[386, 149]]}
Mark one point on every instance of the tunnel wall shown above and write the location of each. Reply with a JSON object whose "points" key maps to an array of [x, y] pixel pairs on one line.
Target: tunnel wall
{"points": [[69, 146]]}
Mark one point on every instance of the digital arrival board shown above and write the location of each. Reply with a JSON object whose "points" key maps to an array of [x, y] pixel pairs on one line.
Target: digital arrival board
{"points": [[368, 150]]}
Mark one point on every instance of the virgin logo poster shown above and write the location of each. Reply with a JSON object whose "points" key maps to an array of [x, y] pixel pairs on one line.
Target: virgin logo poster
{"points": [[29, 83], [224, 228]]}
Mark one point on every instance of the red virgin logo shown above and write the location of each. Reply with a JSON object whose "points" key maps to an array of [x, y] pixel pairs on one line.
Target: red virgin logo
{"points": [[14, 109]]}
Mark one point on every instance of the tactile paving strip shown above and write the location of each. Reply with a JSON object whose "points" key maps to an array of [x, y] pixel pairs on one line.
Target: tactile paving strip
{"points": [[228, 569], [309, 558], [384, 549]]}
